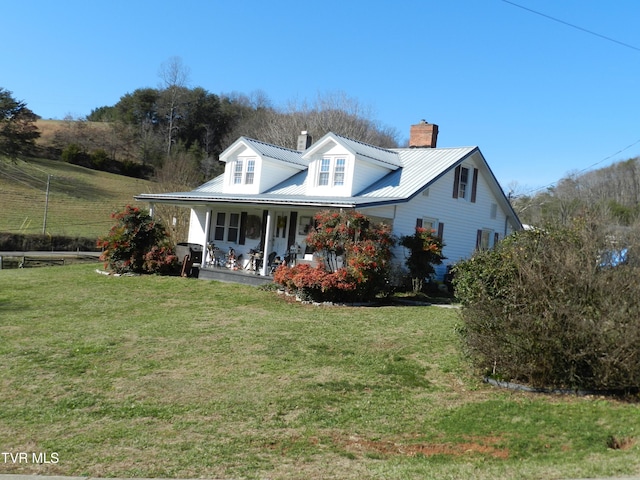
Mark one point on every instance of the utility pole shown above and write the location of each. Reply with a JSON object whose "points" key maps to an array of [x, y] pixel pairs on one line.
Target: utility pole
{"points": [[46, 206]]}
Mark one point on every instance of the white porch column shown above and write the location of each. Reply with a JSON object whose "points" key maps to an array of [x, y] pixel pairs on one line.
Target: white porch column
{"points": [[151, 205], [207, 228], [267, 242]]}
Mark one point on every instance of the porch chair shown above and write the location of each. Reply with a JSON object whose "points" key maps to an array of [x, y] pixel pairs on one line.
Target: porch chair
{"points": [[270, 265]]}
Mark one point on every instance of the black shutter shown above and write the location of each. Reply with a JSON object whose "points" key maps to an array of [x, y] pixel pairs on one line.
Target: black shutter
{"points": [[418, 223], [293, 224], [478, 239], [474, 185], [440, 230], [456, 181], [243, 227]]}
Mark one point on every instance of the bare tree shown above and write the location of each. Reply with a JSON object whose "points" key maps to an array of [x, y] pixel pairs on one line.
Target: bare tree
{"points": [[174, 77], [332, 112]]}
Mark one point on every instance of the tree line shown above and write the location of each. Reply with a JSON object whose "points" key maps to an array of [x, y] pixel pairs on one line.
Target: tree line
{"points": [[175, 133], [612, 193]]}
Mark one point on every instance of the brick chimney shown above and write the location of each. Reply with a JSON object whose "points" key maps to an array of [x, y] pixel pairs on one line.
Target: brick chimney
{"points": [[304, 141], [423, 135]]}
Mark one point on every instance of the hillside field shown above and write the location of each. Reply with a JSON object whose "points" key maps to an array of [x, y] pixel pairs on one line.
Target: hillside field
{"points": [[80, 200]]}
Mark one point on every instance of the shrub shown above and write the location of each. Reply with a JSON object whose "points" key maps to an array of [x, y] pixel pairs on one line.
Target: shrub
{"points": [[365, 250], [544, 308], [137, 244], [425, 251]]}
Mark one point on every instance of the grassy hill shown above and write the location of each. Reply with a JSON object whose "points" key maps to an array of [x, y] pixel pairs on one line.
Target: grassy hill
{"points": [[80, 200]]}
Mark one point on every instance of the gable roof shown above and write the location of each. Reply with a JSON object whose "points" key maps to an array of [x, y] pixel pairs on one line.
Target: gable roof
{"points": [[268, 150], [384, 156], [417, 169]]}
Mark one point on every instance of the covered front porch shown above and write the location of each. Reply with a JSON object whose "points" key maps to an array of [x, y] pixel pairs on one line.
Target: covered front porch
{"points": [[248, 241]]}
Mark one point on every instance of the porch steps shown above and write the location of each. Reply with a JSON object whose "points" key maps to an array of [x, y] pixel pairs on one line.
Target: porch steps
{"points": [[233, 276]]}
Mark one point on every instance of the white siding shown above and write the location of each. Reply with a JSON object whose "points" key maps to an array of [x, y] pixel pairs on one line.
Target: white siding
{"points": [[197, 226], [461, 217], [365, 174], [270, 173], [359, 173]]}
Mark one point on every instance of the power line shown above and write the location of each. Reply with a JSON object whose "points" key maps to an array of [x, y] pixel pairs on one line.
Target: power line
{"points": [[586, 168], [590, 32]]}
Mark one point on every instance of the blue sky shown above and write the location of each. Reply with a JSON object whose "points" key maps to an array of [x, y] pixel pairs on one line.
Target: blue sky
{"points": [[540, 98]]}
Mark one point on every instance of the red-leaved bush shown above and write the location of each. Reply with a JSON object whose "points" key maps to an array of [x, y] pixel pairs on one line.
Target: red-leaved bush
{"points": [[364, 249], [136, 244]]}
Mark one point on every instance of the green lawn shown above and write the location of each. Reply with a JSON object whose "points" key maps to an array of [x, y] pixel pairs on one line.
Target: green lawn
{"points": [[173, 377]]}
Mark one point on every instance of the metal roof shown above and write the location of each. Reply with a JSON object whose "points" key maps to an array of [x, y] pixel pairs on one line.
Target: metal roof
{"points": [[372, 152], [273, 151], [420, 168]]}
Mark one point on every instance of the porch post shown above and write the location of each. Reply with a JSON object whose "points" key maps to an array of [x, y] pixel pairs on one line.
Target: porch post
{"points": [[151, 205], [267, 242], [207, 228]]}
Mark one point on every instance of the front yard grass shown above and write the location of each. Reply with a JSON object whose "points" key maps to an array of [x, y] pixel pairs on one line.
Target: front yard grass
{"points": [[171, 377]]}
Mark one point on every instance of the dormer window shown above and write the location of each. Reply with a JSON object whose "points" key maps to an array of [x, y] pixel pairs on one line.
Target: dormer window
{"points": [[338, 174], [325, 168], [244, 171], [332, 171]]}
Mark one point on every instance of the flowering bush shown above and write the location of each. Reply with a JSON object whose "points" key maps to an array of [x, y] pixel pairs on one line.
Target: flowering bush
{"points": [[136, 244], [425, 251], [365, 249]]}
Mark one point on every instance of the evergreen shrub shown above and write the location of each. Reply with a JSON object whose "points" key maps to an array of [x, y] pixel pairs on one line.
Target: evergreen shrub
{"points": [[551, 309]]}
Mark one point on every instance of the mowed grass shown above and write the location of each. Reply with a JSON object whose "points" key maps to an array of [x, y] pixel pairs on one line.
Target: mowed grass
{"points": [[172, 377], [80, 200]]}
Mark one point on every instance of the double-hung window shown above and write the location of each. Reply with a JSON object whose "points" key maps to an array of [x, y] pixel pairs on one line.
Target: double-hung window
{"points": [[332, 171], [244, 171], [237, 172], [219, 230], [325, 169], [483, 239], [463, 182], [338, 173], [465, 185], [251, 168], [232, 228]]}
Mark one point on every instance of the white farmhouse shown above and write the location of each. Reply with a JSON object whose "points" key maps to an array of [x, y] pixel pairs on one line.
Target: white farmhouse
{"points": [[266, 199]]}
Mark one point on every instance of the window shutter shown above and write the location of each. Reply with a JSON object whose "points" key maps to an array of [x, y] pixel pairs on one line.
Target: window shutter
{"points": [[293, 224], [474, 185], [478, 239], [243, 227], [456, 181], [496, 238], [440, 230], [418, 223]]}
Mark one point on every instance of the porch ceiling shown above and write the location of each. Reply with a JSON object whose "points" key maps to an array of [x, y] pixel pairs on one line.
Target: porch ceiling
{"points": [[188, 199]]}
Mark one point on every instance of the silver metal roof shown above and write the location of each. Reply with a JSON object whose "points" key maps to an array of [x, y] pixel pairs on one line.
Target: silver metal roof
{"points": [[420, 168], [372, 152], [275, 152]]}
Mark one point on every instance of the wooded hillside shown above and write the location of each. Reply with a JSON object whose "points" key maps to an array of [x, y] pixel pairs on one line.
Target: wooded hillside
{"points": [[613, 192]]}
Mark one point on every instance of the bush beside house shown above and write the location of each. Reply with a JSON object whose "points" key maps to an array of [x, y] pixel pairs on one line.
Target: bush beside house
{"points": [[137, 244], [546, 308], [354, 259]]}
